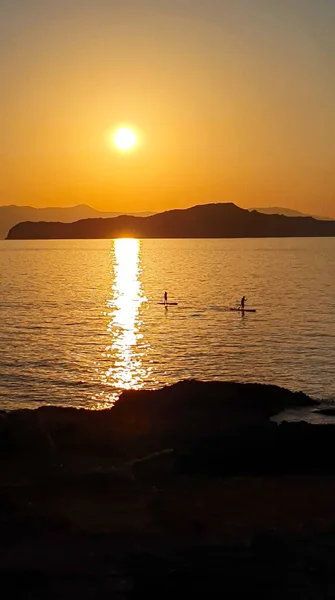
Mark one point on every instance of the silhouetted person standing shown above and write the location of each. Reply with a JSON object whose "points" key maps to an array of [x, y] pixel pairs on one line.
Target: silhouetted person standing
{"points": [[243, 301], [165, 297]]}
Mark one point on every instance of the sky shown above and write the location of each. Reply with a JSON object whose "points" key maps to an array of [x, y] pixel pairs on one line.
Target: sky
{"points": [[232, 101]]}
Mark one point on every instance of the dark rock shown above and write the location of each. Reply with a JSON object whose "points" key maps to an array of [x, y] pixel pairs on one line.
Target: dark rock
{"points": [[158, 464], [193, 410], [223, 571], [272, 450], [91, 522], [330, 412], [189, 410]]}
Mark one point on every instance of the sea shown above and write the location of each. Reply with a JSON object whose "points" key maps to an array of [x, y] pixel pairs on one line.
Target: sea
{"points": [[80, 320]]}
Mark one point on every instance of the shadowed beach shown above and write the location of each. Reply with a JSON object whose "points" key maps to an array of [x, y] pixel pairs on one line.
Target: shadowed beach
{"points": [[188, 488]]}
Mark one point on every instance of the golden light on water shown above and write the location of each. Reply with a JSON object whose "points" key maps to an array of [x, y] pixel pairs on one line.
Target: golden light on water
{"points": [[124, 325], [127, 346]]}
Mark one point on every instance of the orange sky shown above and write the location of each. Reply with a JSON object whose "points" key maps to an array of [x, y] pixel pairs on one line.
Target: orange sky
{"points": [[234, 101]]}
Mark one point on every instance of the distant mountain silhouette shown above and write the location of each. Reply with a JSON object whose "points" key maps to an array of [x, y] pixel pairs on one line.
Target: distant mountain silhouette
{"points": [[203, 221], [287, 212], [12, 214]]}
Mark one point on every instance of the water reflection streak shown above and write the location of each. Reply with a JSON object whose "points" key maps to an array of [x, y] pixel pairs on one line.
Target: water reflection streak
{"points": [[124, 354]]}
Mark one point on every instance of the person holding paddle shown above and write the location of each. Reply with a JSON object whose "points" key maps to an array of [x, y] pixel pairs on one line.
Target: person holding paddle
{"points": [[243, 301]]}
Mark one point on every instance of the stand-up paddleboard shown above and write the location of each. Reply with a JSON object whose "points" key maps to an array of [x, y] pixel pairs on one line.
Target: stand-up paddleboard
{"points": [[251, 310], [168, 303]]}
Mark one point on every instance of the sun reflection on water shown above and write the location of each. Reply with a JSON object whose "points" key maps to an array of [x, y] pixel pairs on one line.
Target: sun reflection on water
{"points": [[123, 356]]}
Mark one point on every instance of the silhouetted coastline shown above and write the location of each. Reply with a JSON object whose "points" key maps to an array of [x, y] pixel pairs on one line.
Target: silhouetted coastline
{"points": [[10, 215], [188, 488], [225, 220]]}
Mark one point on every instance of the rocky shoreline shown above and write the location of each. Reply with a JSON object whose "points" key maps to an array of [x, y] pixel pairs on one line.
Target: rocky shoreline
{"points": [[188, 488]]}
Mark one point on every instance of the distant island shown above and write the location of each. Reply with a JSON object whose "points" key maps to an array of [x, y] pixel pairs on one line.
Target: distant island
{"points": [[287, 212], [12, 214], [202, 221]]}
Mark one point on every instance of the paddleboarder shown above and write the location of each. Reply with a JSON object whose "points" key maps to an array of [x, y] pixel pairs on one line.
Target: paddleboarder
{"points": [[243, 301], [165, 298]]}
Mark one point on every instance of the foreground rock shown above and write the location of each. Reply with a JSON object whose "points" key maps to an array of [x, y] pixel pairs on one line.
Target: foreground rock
{"points": [[142, 422], [100, 566], [188, 489]]}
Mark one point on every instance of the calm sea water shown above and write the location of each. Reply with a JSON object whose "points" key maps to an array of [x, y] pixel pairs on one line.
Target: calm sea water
{"points": [[80, 320]]}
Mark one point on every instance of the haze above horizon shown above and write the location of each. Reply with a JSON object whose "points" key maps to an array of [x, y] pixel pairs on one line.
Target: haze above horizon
{"points": [[231, 101]]}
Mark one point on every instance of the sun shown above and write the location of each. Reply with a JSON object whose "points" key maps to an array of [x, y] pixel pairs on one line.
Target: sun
{"points": [[125, 139]]}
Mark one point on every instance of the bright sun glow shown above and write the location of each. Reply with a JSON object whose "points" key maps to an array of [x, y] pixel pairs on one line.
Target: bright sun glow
{"points": [[125, 139]]}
